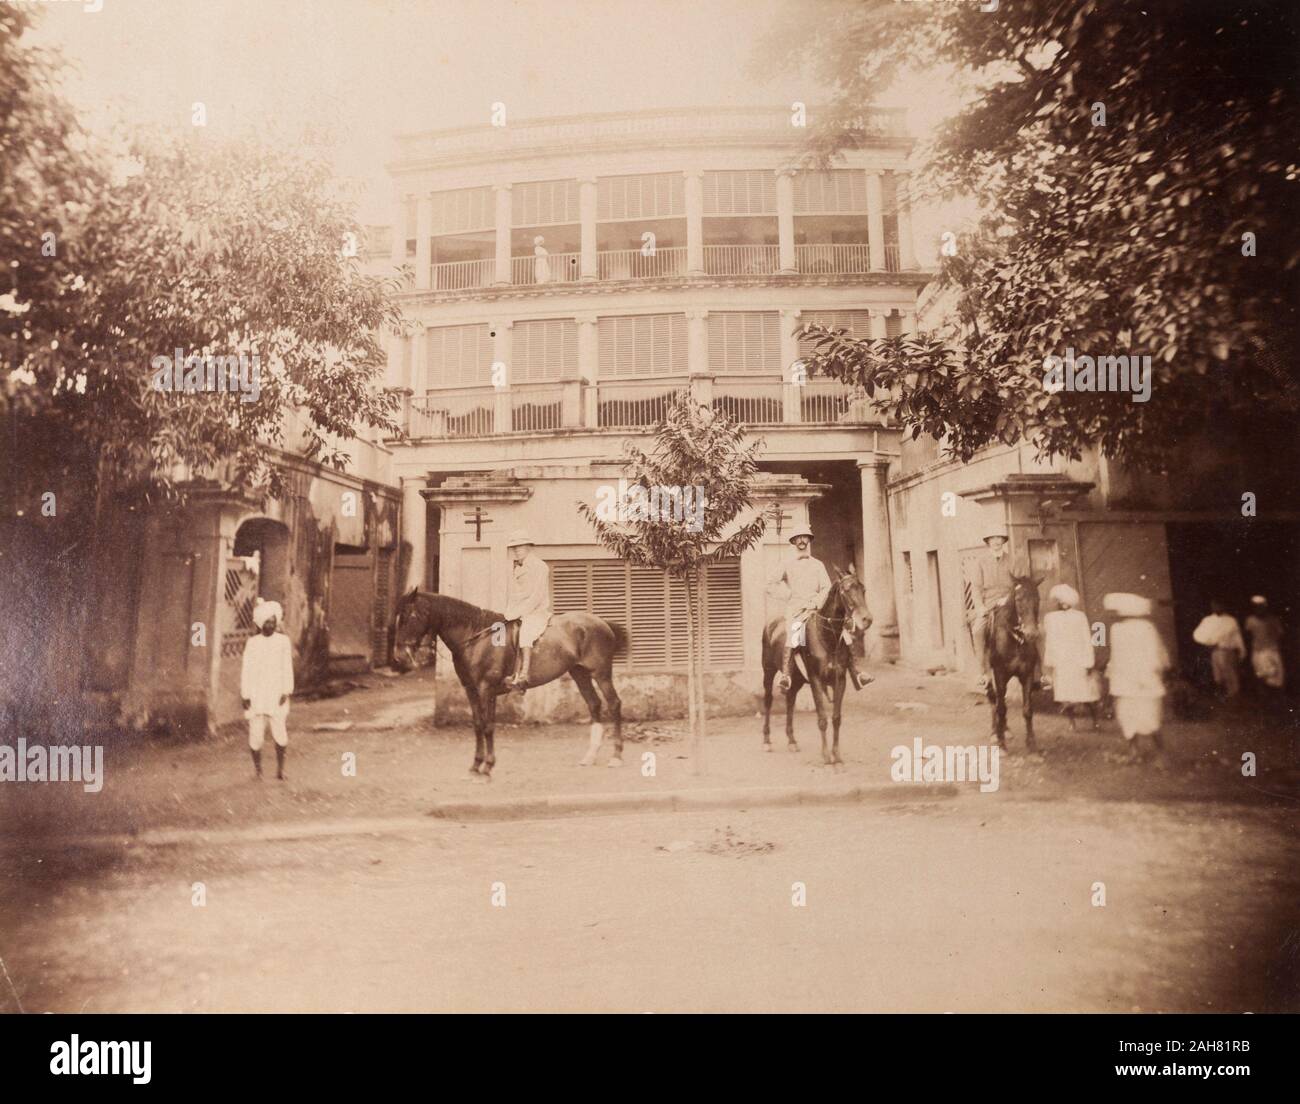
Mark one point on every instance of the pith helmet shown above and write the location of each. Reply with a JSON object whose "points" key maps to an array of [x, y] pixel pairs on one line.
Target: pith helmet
{"points": [[801, 531], [996, 532], [518, 537]]}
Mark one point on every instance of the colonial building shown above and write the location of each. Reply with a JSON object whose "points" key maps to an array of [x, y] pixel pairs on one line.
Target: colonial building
{"points": [[1221, 523], [570, 276]]}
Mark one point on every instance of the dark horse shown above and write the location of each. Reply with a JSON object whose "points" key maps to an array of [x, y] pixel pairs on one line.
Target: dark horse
{"points": [[825, 657], [581, 645], [1013, 653]]}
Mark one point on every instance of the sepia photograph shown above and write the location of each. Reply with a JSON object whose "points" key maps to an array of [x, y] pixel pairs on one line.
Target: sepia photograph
{"points": [[649, 506]]}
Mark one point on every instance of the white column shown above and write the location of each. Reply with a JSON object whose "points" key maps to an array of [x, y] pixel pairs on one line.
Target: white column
{"points": [[878, 325], [785, 220], [877, 562], [398, 253], [906, 247], [503, 220], [423, 241], [588, 366], [694, 222], [590, 269], [697, 342], [414, 530], [875, 220], [501, 352], [907, 320], [791, 393]]}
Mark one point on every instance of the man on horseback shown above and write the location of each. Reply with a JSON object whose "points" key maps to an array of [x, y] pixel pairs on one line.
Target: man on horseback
{"points": [[991, 585], [809, 586], [528, 601]]}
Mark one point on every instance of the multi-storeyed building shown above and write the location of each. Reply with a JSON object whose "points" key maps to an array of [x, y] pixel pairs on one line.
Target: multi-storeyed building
{"points": [[569, 277]]}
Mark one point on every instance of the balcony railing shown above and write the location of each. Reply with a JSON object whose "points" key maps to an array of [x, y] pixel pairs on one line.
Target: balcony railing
{"points": [[555, 268], [741, 260], [633, 404], [632, 264], [892, 262], [751, 402], [468, 413], [813, 260], [455, 413], [458, 275], [536, 409]]}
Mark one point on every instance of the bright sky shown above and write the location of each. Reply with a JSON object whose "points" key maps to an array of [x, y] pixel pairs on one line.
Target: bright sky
{"points": [[369, 69]]}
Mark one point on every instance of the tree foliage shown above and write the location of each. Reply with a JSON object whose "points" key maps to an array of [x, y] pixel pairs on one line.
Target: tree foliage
{"points": [[1126, 236], [119, 254]]}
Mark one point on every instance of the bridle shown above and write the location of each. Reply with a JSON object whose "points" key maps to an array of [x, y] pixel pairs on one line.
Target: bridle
{"points": [[836, 592], [427, 632]]}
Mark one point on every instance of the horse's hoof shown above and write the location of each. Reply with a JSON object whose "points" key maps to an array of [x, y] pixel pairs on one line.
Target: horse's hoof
{"points": [[767, 746], [587, 761], [480, 778], [615, 762], [791, 746]]}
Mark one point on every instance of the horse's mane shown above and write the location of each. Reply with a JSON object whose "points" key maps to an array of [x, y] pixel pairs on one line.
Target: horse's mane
{"points": [[454, 613]]}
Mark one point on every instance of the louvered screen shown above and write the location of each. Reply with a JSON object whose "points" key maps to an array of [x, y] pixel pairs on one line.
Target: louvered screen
{"points": [[458, 356], [642, 345], [462, 210], [645, 196], [745, 341], [545, 203], [840, 191], [545, 350], [893, 324], [743, 192], [652, 608], [858, 324]]}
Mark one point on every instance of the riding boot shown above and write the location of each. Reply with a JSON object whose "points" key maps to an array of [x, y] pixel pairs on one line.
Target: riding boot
{"points": [[521, 676], [785, 678], [280, 749], [257, 763]]}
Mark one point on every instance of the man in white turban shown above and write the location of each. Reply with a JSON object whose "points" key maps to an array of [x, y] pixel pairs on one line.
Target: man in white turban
{"points": [[1220, 632], [265, 684], [1068, 653], [1138, 661]]}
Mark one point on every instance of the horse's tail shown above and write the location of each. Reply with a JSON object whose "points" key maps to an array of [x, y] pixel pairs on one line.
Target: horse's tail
{"points": [[620, 634]]}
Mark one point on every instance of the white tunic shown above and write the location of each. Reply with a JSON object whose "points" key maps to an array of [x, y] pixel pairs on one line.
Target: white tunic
{"points": [[267, 674], [528, 599], [1068, 652]]}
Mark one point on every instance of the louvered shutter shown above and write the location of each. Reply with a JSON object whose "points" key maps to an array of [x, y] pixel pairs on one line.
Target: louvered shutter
{"points": [[458, 356], [640, 345], [840, 191], [745, 341], [724, 616], [463, 210], [545, 203], [743, 192], [856, 322], [644, 196], [545, 350]]}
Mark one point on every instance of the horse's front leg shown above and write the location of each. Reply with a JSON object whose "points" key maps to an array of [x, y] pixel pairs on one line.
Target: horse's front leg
{"points": [[1000, 708], [1027, 710], [796, 684], [476, 712], [768, 678], [841, 677], [489, 729], [819, 700]]}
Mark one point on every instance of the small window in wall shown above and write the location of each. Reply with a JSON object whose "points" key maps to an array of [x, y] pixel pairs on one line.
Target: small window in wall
{"points": [[642, 345], [651, 606], [937, 635], [410, 223], [907, 573], [544, 350], [893, 324], [458, 356], [745, 342]]}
